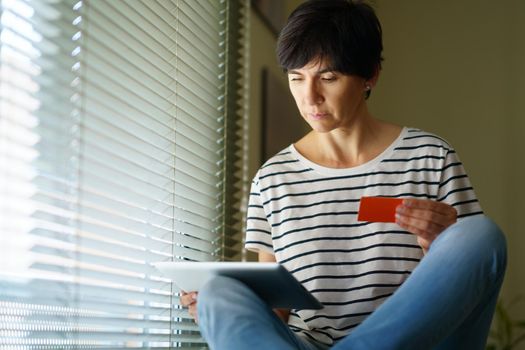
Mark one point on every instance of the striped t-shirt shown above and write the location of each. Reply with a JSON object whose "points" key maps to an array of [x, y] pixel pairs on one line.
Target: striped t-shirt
{"points": [[306, 215]]}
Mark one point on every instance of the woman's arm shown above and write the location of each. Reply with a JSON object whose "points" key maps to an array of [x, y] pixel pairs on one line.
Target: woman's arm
{"points": [[282, 313]]}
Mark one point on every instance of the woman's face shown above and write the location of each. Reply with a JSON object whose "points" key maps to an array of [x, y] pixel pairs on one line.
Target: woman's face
{"points": [[326, 99]]}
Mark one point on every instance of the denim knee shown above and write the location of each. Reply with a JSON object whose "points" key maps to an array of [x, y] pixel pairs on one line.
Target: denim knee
{"points": [[215, 292], [479, 237], [488, 234]]}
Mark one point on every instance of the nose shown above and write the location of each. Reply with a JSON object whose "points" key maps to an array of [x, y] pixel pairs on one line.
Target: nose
{"points": [[313, 95]]}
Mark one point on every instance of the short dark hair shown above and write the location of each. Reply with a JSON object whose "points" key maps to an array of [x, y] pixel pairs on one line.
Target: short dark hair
{"points": [[345, 33]]}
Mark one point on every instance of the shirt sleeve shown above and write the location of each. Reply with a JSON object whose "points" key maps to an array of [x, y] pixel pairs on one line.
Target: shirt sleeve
{"points": [[258, 230], [455, 187]]}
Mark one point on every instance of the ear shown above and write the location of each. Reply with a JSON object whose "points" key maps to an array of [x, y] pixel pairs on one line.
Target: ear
{"points": [[373, 80]]}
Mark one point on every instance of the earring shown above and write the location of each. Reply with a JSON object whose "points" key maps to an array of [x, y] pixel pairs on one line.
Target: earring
{"points": [[367, 87]]}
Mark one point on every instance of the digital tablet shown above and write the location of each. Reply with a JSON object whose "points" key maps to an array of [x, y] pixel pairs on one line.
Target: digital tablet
{"points": [[270, 281]]}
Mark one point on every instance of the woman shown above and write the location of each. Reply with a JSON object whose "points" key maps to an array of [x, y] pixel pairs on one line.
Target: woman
{"points": [[303, 214]]}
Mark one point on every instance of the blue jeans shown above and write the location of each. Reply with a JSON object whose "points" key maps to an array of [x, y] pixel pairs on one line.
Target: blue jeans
{"points": [[447, 302]]}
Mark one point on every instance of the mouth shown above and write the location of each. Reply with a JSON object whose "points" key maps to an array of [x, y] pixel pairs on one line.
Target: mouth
{"points": [[317, 116]]}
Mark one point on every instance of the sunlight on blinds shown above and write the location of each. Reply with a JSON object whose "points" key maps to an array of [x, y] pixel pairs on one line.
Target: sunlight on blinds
{"points": [[112, 153], [18, 137]]}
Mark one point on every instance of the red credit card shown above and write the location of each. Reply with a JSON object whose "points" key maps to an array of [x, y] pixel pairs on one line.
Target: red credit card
{"points": [[378, 209]]}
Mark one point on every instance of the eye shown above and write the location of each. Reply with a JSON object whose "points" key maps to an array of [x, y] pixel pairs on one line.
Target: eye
{"points": [[295, 78], [329, 78]]}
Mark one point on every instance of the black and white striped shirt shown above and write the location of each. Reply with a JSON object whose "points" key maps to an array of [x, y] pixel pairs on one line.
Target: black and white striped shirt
{"points": [[306, 215]]}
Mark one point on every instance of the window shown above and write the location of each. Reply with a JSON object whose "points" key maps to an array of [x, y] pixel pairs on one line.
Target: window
{"points": [[120, 145]]}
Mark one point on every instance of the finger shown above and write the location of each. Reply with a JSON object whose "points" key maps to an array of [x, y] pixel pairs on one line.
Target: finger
{"points": [[422, 214], [424, 229], [438, 207], [424, 243], [425, 220], [443, 217], [186, 299], [192, 310]]}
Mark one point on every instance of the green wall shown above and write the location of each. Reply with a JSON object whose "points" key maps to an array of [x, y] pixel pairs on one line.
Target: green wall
{"points": [[456, 68]]}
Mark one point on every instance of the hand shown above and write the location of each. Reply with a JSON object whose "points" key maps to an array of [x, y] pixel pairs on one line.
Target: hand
{"points": [[425, 218], [189, 300]]}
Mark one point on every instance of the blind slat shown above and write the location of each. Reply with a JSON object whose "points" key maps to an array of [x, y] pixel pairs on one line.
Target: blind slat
{"points": [[151, 80], [138, 56], [132, 33], [109, 247]]}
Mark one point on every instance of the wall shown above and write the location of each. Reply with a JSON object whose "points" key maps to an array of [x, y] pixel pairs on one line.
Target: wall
{"points": [[262, 56], [456, 68]]}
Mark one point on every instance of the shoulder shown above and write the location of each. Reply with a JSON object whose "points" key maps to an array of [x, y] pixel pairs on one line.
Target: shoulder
{"points": [[284, 161], [418, 137]]}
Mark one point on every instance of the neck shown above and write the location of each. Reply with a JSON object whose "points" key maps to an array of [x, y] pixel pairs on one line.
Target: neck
{"points": [[351, 145]]}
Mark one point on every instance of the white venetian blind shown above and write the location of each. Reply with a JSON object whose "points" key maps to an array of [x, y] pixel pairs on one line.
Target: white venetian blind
{"points": [[113, 156]]}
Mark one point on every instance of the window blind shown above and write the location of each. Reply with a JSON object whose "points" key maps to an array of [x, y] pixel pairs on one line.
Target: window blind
{"points": [[121, 144]]}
